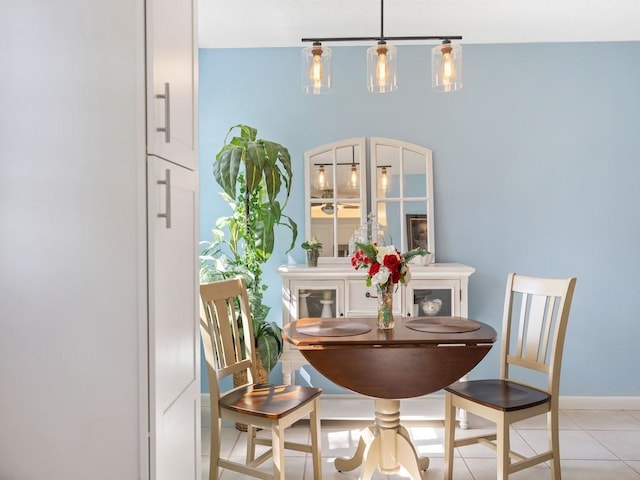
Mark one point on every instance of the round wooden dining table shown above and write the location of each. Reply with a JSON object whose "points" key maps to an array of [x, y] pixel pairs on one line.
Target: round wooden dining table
{"points": [[419, 356]]}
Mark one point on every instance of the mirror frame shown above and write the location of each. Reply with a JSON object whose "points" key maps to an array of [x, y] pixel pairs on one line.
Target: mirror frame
{"points": [[370, 157]]}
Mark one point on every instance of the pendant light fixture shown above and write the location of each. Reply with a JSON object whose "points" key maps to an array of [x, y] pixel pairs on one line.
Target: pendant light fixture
{"points": [[446, 60], [446, 67], [316, 69]]}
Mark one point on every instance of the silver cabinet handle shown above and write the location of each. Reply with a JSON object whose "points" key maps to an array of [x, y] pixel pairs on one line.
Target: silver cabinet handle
{"points": [[368, 295], [167, 198], [167, 113]]}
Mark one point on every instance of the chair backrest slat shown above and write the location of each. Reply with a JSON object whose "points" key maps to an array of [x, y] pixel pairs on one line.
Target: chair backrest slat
{"points": [[536, 314], [226, 330]]}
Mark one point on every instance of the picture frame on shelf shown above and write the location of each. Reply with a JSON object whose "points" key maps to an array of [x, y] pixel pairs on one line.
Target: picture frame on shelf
{"points": [[417, 231]]}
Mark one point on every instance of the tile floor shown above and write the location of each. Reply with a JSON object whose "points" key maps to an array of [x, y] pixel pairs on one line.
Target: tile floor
{"points": [[595, 444]]}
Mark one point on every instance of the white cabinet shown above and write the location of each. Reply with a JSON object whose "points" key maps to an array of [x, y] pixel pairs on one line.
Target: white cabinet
{"points": [[340, 291], [172, 226], [174, 349], [172, 81]]}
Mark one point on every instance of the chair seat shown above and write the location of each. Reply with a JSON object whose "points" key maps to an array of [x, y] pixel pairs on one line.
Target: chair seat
{"points": [[500, 394], [269, 401]]}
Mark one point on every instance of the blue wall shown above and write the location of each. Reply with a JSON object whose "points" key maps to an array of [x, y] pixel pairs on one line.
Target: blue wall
{"points": [[536, 170]]}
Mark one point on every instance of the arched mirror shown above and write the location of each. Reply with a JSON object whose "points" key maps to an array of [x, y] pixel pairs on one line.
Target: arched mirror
{"points": [[346, 182]]}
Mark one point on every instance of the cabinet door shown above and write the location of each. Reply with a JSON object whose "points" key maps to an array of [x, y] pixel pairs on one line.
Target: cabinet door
{"points": [[317, 298], [429, 298], [172, 77], [174, 350]]}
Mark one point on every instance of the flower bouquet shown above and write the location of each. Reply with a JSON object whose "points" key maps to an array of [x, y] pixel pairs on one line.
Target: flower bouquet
{"points": [[386, 267]]}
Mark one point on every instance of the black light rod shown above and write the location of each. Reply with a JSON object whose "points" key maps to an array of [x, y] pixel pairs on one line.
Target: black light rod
{"points": [[364, 39]]}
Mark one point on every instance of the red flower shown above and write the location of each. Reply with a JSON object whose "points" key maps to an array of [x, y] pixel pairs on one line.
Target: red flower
{"points": [[374, 268], [395, 276], [392, 262]]}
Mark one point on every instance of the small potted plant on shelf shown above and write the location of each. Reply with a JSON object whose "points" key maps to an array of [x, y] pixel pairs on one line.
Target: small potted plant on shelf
{"points": [[313, 246]]}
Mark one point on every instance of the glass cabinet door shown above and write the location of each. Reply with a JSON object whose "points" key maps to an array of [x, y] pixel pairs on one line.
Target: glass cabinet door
{"points": [[316, 298], [432, 298]]}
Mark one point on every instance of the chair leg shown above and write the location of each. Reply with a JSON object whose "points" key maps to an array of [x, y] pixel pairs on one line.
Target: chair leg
{"points": [[316, 441], [554, 444], [214, 453], [503, 449], [251, 444], [449, 435], [277, 444]]}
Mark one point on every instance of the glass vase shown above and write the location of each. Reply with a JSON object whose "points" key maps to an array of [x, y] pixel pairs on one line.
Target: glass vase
{"points": [[385, 306]]}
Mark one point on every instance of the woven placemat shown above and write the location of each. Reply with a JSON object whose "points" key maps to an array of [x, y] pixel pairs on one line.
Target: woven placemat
{"points": [[442, 325], [333, 328]]}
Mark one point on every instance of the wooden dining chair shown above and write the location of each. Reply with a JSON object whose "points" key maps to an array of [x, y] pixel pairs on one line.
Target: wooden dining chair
{"points": [[536, 311], [227, 337]]}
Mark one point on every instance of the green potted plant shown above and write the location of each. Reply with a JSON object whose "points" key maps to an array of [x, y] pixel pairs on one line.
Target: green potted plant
{"points": [[313, 246], [255, 175], [216, 265]]}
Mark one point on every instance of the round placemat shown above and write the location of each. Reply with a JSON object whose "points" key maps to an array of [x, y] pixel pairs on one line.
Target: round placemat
{"points": [[443, 325], [333, 328]]}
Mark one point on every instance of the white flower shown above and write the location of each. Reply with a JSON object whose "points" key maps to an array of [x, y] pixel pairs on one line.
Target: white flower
{"points": [[381, 277], [385, 250]]}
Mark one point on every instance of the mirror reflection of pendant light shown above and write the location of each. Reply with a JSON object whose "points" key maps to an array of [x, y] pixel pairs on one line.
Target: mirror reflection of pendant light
{"points": [[316, 69], [353, 181], [321, 179], [381, 62], [446, 67], [384, 179]]}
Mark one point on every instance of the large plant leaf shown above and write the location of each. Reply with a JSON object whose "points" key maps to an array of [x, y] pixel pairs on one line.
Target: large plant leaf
{"points": [[254, 165], [265, 235], [285, 160], [293, 226], [269, 343], [226, 168], [273, 181]]}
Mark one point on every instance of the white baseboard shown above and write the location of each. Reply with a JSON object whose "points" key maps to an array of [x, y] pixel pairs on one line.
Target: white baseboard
{"points": [[431, 407], [599, 403]]}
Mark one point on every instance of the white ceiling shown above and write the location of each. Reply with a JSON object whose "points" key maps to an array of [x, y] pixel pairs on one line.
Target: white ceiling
{"points": [[282, 23]]}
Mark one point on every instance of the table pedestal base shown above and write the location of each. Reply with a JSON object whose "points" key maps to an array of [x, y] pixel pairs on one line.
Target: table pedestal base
{"points": [[385, 446]]}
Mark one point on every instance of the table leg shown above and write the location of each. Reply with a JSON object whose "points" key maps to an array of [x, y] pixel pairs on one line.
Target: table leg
{"points": [[386, 446], [344, 464]]}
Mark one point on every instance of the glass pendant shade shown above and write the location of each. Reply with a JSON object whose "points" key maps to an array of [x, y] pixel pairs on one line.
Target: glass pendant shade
{"points": [[381, 68], [384, 179], [352, 181], [446, 67], [321, 180], [316, 69]]}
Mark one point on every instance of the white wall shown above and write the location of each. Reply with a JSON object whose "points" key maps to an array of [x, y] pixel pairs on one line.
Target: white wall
{"points": [[72, 228]]}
